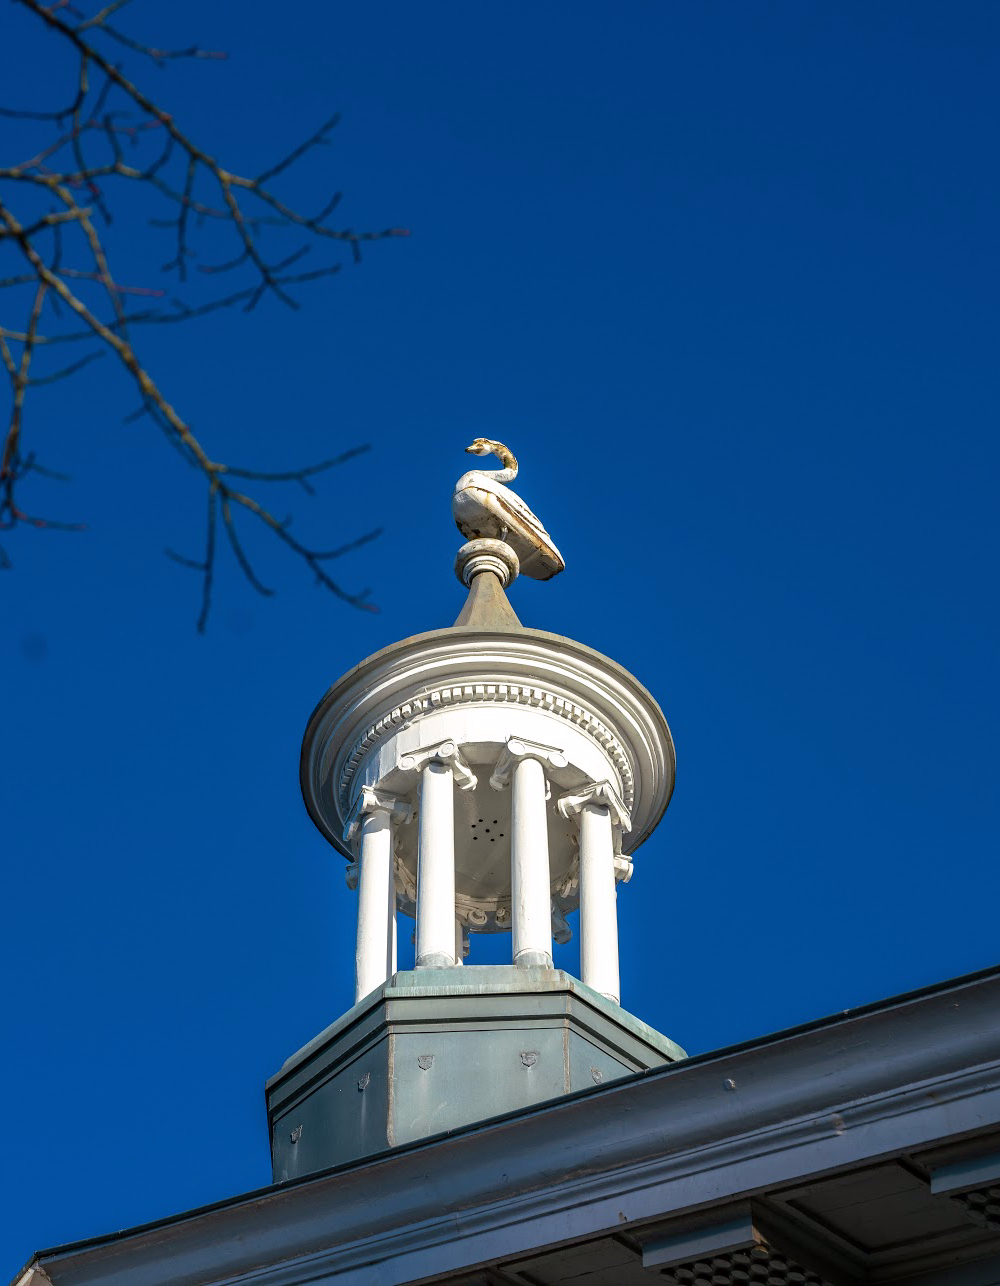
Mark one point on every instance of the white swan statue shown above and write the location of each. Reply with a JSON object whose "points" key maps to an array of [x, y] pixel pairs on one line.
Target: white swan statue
{"points": [[484, 507]]}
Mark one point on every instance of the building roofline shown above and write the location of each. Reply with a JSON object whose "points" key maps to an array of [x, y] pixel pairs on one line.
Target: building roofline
{"points": [[771, 1088]]}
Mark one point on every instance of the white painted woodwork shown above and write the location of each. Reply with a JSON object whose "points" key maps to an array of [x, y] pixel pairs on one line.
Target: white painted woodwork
{"points": [[370, 830], [373, 958], [598, 902], [394, 966], [531, 895], [445, 753], [436, 867], [518, 748], [457, 698], [601, 816], [446, 684], [598, 792]]}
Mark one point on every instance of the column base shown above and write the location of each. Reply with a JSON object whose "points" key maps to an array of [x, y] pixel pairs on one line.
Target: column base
{"points": [[436, 960], [533, 960]]}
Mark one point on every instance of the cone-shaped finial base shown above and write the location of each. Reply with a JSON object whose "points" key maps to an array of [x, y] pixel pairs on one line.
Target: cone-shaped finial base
{"points": [[487, 567], [487, 607]]}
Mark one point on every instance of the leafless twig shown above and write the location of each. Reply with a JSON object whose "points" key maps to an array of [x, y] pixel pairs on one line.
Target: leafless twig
{"points": [[56, 209]]}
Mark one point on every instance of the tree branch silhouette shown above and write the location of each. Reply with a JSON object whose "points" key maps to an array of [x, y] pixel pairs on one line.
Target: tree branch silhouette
{"points": [[56, 211]]}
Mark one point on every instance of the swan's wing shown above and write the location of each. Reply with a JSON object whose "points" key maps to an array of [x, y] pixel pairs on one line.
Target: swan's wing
{"points": [[520, 512], [483, 507], [474, 488]]}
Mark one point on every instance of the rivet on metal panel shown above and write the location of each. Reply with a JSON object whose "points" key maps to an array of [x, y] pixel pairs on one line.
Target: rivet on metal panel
{"points": [[729, 1083], [597, 1074], [363, 1082], [296, 1134], [529, 1057], [424, 1061]]}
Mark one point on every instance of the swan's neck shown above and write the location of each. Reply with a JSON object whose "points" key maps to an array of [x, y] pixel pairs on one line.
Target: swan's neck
{"points": [[506, 457]]}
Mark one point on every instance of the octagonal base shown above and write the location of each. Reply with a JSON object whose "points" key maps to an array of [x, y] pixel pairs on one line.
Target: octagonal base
{"points": [[436, 1049]]}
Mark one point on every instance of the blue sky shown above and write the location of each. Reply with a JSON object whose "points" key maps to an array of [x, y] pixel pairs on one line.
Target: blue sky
{"points": [[725, 278]]}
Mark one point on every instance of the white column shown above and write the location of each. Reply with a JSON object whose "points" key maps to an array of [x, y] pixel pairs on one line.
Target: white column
{"points": [[598, 903], [370, 827], [529, 867], [373, 955], [531, 895], [597, 809], [436, 867]]}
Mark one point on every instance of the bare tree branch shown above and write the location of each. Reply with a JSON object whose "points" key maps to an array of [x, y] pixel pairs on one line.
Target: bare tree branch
{"points": [[56, 209]]}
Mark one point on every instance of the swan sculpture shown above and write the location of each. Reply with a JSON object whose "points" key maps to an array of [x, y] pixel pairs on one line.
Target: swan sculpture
{"points": [[484, 507]]}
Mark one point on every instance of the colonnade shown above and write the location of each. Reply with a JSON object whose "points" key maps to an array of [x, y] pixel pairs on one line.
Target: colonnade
{"points": [[522, 767]]}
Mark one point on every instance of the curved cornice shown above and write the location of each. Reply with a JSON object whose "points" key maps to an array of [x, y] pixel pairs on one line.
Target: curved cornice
{"points": [[470, 694], [452, 667]]}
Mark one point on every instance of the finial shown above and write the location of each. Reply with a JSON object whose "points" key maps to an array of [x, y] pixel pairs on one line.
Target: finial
{"points": [[494, 556], [488, 513]]}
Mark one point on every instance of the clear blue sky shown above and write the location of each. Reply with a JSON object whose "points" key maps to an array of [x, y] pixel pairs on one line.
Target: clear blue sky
{"points": [[725, 277]]}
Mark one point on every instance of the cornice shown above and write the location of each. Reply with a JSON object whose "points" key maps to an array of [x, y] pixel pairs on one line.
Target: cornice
{"points": [[469, 694], [456, 668]]}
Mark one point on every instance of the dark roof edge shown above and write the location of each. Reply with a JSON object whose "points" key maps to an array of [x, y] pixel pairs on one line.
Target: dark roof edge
{"points": [[728, 1053], [829, 1020]]}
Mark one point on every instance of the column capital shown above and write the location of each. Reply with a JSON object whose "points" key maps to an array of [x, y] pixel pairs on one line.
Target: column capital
{"points": [[518, 748], [371, 800], [600, 793], [623, 869], [447, 753]]}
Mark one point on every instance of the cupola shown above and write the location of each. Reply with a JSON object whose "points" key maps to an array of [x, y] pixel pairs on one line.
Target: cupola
{"points": [[483, 778]]}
